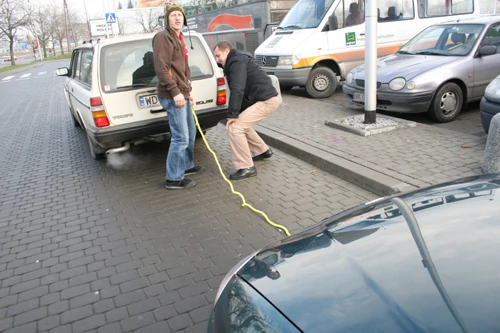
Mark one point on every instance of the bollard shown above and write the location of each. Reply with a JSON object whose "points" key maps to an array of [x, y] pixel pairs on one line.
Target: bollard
{"points": [[491, 159], [276, 84]]}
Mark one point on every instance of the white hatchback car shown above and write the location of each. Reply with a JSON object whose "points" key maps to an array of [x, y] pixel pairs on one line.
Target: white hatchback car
{"points": [[111, 91]]}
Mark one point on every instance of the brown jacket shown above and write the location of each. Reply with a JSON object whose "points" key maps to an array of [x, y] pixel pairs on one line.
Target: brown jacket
{"points": [[171, 69]]}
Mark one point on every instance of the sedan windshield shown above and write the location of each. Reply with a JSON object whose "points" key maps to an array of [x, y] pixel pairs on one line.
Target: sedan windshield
{"points": [[305, 14], [444, 40]]}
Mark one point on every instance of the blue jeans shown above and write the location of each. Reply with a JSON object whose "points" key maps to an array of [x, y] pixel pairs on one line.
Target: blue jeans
{"points": [[183, 129]]}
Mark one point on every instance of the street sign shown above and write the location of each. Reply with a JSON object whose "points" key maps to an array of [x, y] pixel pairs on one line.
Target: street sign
{"points": [[101, 28], [110, 18]]}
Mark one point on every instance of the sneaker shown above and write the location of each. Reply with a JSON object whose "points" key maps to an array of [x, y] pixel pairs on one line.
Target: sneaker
{"points": [[196, 170], [265, 155], [179, 184]]}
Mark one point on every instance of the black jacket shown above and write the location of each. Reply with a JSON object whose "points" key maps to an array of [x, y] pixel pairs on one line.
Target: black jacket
{"points": [[248, 83]]}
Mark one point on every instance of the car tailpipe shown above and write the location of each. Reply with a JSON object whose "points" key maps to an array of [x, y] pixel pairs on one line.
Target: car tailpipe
{"points": [[121, 149]]}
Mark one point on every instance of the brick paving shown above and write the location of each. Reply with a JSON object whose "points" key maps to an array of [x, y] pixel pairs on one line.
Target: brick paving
{"points": [[96, 246]]}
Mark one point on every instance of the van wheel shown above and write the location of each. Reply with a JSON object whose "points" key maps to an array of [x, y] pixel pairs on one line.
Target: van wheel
{"points": [[321, 83], [447, 103], [96, 152]]}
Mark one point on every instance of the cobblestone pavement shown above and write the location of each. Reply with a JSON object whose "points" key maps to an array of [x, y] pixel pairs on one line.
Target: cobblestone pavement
{"points": [[89, 246], [426, 154]]}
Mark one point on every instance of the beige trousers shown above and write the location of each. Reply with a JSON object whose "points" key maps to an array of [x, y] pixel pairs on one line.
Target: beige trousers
{"points": [[243, 139]]}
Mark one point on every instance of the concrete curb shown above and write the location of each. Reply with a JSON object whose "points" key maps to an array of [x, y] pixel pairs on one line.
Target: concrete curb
{"points": [[356, 174]]}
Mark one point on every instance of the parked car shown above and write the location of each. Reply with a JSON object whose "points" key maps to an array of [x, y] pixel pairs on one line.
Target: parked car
{"points": [[111, 91], [439, 71], [425, 261], [490, 103], [6, 58]]}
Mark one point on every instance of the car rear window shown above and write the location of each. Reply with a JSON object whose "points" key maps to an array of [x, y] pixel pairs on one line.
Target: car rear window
{"points": [[130, 64]]}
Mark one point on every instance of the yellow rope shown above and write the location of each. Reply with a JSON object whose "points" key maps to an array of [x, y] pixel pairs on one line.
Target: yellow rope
{"points": [[244, 203]]}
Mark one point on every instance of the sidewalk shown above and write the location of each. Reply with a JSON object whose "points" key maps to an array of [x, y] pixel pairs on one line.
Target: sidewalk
{"points": [[384, 164]]}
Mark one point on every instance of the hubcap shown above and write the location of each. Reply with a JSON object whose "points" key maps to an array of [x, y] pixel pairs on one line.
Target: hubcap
{"points": [[448, 103], [321, 82]]}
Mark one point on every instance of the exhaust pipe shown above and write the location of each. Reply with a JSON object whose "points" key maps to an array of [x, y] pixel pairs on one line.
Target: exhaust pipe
{"points": [[125, 147]]}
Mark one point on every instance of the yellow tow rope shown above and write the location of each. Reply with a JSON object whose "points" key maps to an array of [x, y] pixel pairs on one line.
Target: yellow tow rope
{"points": [[244, 203]]}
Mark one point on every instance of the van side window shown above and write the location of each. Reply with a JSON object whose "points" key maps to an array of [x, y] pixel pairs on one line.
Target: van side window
{"points": [[72, 65], [350, 13], [86, 67], [433, 8], [390, 10], [77, 67], [492, 37]]}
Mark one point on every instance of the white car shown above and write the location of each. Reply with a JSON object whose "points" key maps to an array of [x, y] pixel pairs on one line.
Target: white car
{"points": [[111, 91]]}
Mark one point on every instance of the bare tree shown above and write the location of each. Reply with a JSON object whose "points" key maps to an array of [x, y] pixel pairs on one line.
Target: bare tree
{"points": [[40, 25], [58, 30], [148, 19], [12, 16]]}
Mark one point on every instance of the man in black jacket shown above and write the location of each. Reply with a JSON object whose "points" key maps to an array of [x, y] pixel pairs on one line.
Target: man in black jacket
{"points": [[252, 98]]}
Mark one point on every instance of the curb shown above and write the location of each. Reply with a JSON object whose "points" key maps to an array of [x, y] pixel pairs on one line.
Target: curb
{"points": [[356, 174]]}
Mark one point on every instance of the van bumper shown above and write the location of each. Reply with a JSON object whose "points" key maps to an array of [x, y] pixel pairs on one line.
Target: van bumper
{"points": [[115, 136], [289, 77]]}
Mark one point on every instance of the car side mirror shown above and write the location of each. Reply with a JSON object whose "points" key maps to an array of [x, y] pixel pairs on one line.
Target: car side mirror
{"points": [[487, 50], [333, 22], [63, 71]]}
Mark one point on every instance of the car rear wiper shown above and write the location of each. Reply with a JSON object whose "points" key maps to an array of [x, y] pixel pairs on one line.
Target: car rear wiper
{"points": [[430, 53], [134, 85]]}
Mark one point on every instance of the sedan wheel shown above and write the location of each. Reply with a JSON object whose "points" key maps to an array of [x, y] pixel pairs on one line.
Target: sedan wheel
{"points": [[447, 103]]}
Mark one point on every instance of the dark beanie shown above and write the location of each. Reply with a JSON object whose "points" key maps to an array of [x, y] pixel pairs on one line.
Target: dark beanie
{"points": [[172, 7]]}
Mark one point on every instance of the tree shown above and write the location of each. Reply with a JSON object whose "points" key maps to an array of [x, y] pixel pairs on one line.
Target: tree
{"points": [[130, 4], [40, 25], [58, 30], [120, 5], [12, 16], [148, 19]]}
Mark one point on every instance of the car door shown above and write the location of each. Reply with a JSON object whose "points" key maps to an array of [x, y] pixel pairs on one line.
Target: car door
{"points": [[486, 68], [69, 81]]}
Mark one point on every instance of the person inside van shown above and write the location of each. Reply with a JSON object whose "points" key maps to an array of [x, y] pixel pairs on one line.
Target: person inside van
{"points": [[146, 72], [355, 17]]}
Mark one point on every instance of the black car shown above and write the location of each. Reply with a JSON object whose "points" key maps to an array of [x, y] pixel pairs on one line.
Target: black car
{"points": [[425, 261], [490, 103]]}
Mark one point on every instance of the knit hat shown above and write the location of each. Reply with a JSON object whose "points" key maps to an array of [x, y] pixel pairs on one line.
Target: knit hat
{"points": [[171, 7]]}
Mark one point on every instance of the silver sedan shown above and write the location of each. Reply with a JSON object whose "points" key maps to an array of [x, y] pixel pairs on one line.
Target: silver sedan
{"points": [[439, 71]]}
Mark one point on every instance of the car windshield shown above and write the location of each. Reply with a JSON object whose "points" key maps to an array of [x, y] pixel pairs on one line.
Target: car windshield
{"points": [[129, 65], [444, 40], [305, 14]]}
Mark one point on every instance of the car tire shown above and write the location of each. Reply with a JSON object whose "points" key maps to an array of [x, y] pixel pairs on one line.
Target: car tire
{"points": [[447, 103], [73, 118], [96, 152], [321, 83]]}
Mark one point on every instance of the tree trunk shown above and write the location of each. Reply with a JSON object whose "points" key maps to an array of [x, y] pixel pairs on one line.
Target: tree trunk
{"points": [[61, 46], [11, 49]]}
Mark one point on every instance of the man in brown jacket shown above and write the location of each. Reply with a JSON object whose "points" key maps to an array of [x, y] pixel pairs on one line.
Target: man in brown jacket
{"points": [[172, 69]]}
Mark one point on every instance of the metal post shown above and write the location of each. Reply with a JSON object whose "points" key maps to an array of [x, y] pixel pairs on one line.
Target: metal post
{"points": [[371, 62], [66, 25]]}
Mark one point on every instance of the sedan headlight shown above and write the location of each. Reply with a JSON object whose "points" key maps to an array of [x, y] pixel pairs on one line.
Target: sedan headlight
{"points": [[288, 60], [493, 90], [348, 78], [397, 83], [230, 274]]}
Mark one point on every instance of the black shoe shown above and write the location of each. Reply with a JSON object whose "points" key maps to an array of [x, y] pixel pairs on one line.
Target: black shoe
{"points": [[243, 173], [179, 184], [267, 154], [196, 170]]}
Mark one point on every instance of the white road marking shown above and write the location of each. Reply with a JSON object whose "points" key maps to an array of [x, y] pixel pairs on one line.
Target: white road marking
{"points": [[25, 75], [7, 78], [42, 73]]}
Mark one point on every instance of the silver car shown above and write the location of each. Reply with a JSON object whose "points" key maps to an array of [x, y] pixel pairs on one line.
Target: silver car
{"points": [[439, 71]]}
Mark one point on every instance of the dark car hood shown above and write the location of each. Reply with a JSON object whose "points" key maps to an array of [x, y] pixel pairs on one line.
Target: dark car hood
{"points": [[365, 271], [404, 65]]}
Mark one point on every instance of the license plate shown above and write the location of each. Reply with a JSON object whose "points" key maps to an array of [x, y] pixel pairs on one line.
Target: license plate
{"points": [[358, 97], [148, 101]]}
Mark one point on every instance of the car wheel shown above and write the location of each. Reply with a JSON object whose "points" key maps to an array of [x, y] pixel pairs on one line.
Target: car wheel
{"points": [[321, 83], [96, 152], [73, 118], [447, 103], [198, 134]]}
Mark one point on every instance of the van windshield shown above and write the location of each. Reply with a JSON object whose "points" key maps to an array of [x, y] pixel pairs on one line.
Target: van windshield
{"points": [[305, 14], [129, 65]]}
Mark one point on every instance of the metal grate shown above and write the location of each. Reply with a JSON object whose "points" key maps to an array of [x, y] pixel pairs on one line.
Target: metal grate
{"points": [[361, 83], [267, 61]]}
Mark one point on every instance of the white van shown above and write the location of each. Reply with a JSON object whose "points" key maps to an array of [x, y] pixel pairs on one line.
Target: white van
{"points": [[320, 41], [111, 91]]}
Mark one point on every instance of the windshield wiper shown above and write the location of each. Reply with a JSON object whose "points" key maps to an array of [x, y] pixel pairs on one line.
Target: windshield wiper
{"points": [[292, 27], [430, 53], [134, 85], [404, 52], [280, 28]]}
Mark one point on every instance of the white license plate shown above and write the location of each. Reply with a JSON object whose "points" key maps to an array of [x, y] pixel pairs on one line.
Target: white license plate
{"points": [[149, 101], [358, 97]]}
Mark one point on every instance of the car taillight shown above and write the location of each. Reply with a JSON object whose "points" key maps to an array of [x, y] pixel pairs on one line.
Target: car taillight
{"points": [[98, 112], [221, 91]]}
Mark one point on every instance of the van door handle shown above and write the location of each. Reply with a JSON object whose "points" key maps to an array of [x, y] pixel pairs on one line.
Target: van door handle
{"points": [[361, 33]]}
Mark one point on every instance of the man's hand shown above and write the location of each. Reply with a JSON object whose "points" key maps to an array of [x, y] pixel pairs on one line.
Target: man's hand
{"points": [[179, 100], [191, 101], [230, 121]]}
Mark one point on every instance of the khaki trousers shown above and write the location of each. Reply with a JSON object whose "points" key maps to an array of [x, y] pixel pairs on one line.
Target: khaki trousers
{"points": [[243, 139]]}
